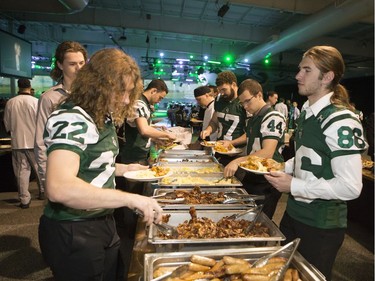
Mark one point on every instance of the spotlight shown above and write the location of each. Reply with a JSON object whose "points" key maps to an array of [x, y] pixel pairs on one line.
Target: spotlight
{"points": [[21, 29], [223, 10]]}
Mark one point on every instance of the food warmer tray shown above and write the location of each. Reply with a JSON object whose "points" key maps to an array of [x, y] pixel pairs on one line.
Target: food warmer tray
{"points": [[191, 167], [153, 261], [179, 216], [213, 179], [188, 159], [169, 205], [184, 153]]}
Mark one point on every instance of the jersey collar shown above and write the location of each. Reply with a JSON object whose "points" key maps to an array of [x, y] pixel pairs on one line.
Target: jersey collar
{"points": [[317, 106]]}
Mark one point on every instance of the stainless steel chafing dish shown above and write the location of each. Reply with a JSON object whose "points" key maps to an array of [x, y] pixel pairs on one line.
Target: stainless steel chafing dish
{"points": [[152, 262], [184, 153], [193, 167], [179, 216], [213, 179], [170, 204]]}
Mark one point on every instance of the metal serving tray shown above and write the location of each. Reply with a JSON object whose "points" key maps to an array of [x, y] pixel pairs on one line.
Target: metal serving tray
{"points": [[179, 216], [188, 159], [152, 262], [184, 153], [213, 179], [193, 168], [170, 205]]}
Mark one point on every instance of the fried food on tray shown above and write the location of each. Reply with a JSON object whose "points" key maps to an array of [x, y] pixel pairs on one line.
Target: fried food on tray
{"points": [[230, 268], [206, 228], [197, 196], [261, 164]]}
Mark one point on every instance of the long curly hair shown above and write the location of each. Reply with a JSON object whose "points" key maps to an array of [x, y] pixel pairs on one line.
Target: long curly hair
{"points": [[63, 48], [100, 85], [327, 58]]}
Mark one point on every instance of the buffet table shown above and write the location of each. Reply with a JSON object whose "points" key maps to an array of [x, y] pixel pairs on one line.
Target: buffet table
{"points": [[149, 249]]}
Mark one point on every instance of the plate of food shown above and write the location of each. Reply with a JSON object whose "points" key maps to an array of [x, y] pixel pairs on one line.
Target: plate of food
{"points": [[367, 164], [153, 174], [208, 143], [260, 165], [229, 150]]}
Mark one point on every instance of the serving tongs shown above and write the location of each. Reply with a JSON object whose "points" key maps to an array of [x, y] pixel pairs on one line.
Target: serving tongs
{"points": [[287, 250], [168, 197], [166, 229], [224, 178], [238, 198]]}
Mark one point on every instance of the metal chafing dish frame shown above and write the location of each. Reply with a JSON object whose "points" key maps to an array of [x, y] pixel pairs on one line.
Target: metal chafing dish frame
{"points": [[179, 216], [212, 178], [171, 206], [152, 261], [187, 153]]}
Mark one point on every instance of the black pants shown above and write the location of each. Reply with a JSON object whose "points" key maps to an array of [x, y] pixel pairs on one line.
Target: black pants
{"points": [[318, 246], [126, 219], [80, 251], [258, 185]]}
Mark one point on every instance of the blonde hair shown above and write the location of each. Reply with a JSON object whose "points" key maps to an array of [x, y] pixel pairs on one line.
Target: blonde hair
{"points": [[104, 79], [327, 58]]}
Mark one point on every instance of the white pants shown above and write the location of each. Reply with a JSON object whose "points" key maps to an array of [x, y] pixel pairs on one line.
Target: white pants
{"points": [[23, 161]]}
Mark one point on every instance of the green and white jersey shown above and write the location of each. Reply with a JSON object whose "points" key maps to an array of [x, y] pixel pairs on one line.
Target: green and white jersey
{"points": [[327, 166], [232, 117], [267, 124], [71, 128], [136, 147]]}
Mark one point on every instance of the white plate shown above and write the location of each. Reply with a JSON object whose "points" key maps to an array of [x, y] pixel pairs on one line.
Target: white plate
{"points": [[143, 175], [254, 171], [208, 143], [231, 152]]}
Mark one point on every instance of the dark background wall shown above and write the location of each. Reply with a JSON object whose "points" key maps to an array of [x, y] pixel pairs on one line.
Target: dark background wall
{"points": [[361, 91]]}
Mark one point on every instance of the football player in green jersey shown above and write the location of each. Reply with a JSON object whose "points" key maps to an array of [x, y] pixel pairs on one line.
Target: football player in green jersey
{"points": [[327, 168], [264, 137], [77, 232], [138, 134], [229, 117], [138, 130]]}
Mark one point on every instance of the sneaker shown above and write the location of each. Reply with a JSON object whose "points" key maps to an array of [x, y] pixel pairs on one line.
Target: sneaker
{"points": [[41, 196], [24, 206]]}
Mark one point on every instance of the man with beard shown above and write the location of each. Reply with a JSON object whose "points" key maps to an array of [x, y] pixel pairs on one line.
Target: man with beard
{"points": [[229, 116]]}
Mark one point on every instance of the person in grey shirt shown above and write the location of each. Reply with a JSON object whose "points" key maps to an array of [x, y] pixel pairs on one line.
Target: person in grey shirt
{"points": [[70, 56], [19, 120]]}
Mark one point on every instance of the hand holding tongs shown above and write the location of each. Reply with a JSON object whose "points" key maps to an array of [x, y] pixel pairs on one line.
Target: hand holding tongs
{"points": [[291, 247], [164, 228]]}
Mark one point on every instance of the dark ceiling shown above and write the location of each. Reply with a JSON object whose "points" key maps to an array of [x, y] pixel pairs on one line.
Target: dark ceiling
{"points": [[180, 28]]}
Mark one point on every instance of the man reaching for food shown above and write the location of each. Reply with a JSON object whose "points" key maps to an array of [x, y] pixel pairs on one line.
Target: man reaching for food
{"points": [[264, 137]]}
